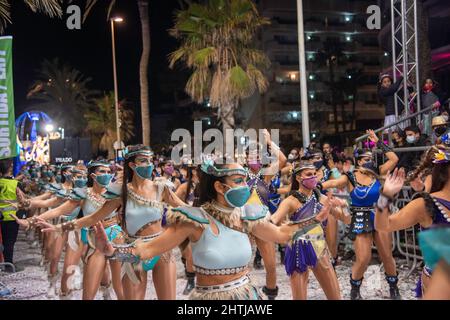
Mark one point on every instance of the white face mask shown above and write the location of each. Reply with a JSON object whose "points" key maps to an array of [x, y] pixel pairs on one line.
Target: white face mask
{"points": [[411, 139], [445, 118], [291, 156]]}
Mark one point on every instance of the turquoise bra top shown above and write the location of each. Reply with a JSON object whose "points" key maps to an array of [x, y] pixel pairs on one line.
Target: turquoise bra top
{"points": [[228, 249], [140, 212], [73, 214]]}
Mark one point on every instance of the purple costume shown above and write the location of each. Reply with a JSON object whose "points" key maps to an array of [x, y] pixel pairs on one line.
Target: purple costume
{"points": [[308, 244]]}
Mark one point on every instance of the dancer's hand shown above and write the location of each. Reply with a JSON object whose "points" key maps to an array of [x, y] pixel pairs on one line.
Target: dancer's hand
{"points": [[394, 183], [101, 240], [21, 222], [46, 226], [372, 136], [12, 203], [267, 138]]}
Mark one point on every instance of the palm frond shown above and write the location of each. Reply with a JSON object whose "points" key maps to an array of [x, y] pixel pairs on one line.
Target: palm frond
{"points": [[5, 15], [52, 8]]}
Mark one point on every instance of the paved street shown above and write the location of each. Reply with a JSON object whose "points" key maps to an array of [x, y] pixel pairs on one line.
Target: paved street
{"points": [[31, 284]]}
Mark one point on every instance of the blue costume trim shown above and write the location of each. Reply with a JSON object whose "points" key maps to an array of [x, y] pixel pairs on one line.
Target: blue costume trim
{"points": [[192, 213]]}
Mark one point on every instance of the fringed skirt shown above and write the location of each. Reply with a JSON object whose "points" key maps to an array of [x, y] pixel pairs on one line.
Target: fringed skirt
{"points": [[307, 247], [240, 289], [362, 221]]}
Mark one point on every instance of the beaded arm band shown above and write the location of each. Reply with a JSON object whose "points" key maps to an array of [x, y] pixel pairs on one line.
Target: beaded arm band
{"points": [[31, 223], [68, 226], [124, 253], [383, 147]]}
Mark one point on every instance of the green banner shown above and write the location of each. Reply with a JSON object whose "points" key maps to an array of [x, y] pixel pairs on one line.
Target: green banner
{"points": [[8, 142]]}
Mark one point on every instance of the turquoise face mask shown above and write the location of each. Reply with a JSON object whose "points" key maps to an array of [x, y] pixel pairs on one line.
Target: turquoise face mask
{"points": [[58, 178], [80, 183], [104, 179], [238, 196], [50, 174], [145, 172]]}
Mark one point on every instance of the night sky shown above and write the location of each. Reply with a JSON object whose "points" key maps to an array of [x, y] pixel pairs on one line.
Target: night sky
{"points": [[37, 37]]}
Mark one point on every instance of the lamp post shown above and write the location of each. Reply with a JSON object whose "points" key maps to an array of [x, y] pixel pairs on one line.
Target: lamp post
{"points": [[302, 69], [116, 93]]}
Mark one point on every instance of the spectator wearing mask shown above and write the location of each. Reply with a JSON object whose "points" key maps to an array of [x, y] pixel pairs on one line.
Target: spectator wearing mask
{"points": [[386, 92], [441, 130], [432, 95], [405, 158], [414, 138]]}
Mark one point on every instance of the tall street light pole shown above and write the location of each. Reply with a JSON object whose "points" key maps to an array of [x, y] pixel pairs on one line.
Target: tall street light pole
{"points": [[116, 93], [302, 65]]}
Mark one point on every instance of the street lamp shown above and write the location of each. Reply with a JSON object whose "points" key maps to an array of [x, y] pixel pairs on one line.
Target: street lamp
{"points": [[116, 93]]}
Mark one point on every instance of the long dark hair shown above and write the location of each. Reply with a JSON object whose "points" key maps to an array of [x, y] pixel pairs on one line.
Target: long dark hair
{"points": [[127, 177], [439, 176], [189, 182], [206, 190]]}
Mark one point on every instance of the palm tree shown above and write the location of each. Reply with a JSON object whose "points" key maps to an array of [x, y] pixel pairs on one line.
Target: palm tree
{"points": [[52, 8], [64, 93], [101, 123], [143, 67], [216, 44]]}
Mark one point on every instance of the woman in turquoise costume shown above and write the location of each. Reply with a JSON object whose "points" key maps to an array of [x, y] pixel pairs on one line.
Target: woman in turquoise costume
{"points": [[218, 231], [88, 200], [435, 247], [308, 249], [364, 188], [427, 209], [54, 244], [142, 201]]}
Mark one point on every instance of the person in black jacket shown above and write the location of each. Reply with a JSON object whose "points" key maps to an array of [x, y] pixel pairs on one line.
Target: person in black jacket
{"points": [[386, 92]]}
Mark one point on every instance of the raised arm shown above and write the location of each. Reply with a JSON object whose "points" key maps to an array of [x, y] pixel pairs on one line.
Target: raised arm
{"points": [[339, 183], [392, 158], [173, 236], [271, 233], [99, 215], [66, 208], [275, 151], [284, 210], [48, 203], [413, 213]]}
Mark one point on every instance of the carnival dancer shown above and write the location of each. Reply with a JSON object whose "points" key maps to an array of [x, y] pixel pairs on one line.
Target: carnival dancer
{"points": [[435, 249], [260, 183], [364, 185], [308, 249], [142, 201], [326, 170], [53, 245], [96, 271], [426, 209], [219, 233], [186, 192]]}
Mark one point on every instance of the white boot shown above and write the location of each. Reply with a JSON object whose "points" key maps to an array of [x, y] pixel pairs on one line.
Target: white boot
{"points": [[106, 292], [52, 293], [67, 296]]}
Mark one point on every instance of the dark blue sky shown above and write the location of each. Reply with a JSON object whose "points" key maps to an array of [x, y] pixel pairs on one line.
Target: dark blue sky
{"points": [[37, 37]]}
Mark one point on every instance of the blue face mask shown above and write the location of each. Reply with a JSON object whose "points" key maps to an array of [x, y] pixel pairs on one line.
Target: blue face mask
{"points": [[370, 166], [145, 172], [68, 177], [50, 174], [104, 179], [58, 178], [80, 183], [237, 197]]}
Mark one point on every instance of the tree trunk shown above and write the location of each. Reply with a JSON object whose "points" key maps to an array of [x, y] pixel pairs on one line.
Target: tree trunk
{"points": [[143, 70], [227, 118]]}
